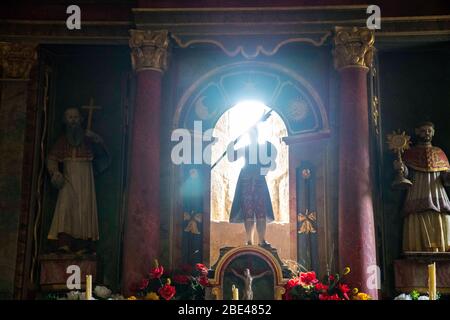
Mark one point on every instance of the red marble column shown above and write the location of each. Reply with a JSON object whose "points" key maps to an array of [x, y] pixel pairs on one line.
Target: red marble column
{"points": [[357, 248], [17, 103], [141, 241]]}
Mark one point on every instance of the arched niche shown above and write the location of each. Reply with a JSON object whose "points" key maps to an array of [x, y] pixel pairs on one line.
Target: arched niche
{"points": [[221, 285], [292, 97]]}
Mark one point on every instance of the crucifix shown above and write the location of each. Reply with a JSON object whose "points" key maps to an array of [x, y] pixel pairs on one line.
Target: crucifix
{"points": [[91, 107]]}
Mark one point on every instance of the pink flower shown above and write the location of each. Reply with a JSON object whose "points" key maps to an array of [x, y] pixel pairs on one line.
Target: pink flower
{"points": [[156, 272], [167, 291]]}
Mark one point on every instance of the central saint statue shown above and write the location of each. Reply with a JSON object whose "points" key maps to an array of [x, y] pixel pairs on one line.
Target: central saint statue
{"points": [[251, 203]]}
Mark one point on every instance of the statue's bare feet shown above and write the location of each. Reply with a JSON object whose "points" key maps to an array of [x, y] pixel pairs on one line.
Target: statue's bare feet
{"points": [[82, 251], [64, 249], [264, 243]]}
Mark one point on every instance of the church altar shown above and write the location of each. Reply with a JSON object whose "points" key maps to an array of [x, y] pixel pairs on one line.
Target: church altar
{"points": [[148, 174]]}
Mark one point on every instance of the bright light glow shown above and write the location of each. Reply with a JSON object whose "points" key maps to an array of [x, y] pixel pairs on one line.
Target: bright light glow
{"points": [[244, 115], [233, 123], [225, 175]]}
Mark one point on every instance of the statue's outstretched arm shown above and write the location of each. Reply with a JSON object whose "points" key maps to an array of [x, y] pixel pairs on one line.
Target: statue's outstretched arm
{"points": [[237, 274], [262, 274]]}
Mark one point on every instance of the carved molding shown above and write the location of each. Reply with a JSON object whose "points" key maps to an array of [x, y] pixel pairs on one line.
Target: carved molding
{"points": [[149, 49], [279, 291], [217, 292], [353, 47], [17, 59], [257, 50]]}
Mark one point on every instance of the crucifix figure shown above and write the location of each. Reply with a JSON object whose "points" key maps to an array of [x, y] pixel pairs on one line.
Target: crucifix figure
{"points": [[248, 281]]}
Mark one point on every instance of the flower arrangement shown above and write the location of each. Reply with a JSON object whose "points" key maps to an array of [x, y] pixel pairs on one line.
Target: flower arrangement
{"points": [[306, 286], [414, 295], [100, 293], [187, 284]]}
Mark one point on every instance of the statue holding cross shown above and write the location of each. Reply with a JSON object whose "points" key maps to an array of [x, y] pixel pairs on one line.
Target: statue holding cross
{"points": [[90, 108], [73, 161]]}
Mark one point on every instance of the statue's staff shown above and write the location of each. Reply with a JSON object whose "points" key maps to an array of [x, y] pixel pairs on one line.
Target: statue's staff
{"points": [[235, 141]]}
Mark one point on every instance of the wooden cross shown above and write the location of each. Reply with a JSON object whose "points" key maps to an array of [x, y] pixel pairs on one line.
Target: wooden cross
{"points": [[90, 109]]}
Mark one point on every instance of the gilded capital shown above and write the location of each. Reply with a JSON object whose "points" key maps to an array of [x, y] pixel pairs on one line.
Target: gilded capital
{"points": [[149, 49], [16, 60], [353, 47]]}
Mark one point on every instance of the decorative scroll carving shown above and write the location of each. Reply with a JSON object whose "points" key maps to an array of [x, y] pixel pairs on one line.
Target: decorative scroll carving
{"points": [[17, 59], [257, 51], [353, 47], [149, 49]]}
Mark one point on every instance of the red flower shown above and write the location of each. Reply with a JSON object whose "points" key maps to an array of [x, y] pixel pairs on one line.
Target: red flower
{"points": [[167, 291], [288, 286], [156, 272], [292, 283], [324, 296], [143, 284], [321, 287], [202, 268], [344, 288], [331, 277], [203, 280], [334, 297], [181, 279], [308, 278]]}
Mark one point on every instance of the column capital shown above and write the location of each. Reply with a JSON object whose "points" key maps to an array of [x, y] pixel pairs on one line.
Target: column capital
{"points": [[149, 49], [16, 60], [353, 47]]}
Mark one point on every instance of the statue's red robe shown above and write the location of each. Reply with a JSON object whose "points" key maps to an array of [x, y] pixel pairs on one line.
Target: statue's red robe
{"points": [[427, 206]]}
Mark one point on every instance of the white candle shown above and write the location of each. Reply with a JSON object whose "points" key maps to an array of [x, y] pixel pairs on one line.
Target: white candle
{"points": [[432, 281], [88, 287]]}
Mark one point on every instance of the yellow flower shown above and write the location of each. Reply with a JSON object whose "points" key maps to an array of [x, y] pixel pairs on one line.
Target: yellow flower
{"points": [[131, 298], [151, 296], [362, 296], [346, 270], [355, 291]]}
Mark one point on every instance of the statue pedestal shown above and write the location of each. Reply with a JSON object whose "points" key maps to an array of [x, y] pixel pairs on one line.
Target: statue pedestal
{"points": [[53, 273], [411, 273]]}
